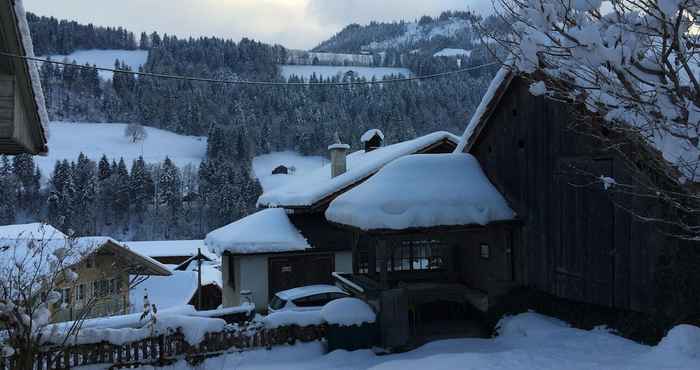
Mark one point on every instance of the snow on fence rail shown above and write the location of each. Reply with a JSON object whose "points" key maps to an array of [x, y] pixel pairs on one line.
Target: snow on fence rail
{"points": [[166, 349]]}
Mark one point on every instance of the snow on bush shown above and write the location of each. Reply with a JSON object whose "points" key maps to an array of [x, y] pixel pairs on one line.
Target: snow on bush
{"points": [[636, 63], [348, 312], [193, 329], [289, 318], [528, 324], [682, 340]]}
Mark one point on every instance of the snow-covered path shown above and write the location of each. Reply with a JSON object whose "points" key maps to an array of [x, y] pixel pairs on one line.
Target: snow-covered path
{"points": [[526, 342]]}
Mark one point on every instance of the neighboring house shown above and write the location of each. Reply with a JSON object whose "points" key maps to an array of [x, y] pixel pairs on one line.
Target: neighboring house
{"points": [[23, 117], [261, 257], [171, 252], [105, 269]]}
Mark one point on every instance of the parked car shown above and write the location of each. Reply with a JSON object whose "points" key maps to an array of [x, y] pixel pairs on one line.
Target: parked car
{"points": [[306, 298]]}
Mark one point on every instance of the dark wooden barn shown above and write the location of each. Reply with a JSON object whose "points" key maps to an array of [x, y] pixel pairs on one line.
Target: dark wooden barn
{"points": [[579, 241]]}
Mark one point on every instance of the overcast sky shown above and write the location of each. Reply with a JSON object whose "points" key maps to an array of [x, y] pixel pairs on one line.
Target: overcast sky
{"points": [[292, 23]]}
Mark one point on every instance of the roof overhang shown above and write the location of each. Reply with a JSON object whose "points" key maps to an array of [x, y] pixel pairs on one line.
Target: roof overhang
{"points": [[12, 43]]}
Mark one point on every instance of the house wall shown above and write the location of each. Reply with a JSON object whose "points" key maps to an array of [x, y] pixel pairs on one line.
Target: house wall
{"points": [[103, 268], [575, 243], [253, 273]]}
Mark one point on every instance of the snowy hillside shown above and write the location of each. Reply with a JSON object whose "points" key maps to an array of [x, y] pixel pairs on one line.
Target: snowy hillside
{"points": [[106, 58], [330, 71], [67, 140], [416, 33], [264, 164]]}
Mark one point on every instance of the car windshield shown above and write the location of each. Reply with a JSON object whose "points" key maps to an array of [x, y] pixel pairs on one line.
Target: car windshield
{"points": [[277, 303]]}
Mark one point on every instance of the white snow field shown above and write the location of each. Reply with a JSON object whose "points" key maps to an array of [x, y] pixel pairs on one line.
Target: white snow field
{"points": [[453, 53], [106, 58], [331, 71], [264, 164], [527, 341], [68, 139]]}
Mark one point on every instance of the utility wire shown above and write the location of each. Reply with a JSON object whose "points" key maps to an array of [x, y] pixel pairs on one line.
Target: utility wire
{"points": [[245, 82]]}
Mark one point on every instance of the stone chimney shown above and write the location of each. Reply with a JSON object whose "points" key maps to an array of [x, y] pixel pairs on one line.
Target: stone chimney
{"points": [[339, 153], [372, 139]]}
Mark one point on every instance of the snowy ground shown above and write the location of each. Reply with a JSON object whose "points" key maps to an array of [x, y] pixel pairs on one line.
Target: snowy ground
{"points": [[331, 71], [527, 341], [264, 164], [67, 140], [106, 58]]}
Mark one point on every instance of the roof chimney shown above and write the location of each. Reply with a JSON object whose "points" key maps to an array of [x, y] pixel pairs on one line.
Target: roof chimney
{"points": [[339, 153], [372, 139]]}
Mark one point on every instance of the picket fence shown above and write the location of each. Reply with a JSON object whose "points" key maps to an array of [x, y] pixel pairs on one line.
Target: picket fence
{"points": [[166, 349]]}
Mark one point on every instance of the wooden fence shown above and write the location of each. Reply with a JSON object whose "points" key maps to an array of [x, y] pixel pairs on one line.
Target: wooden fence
{"points": [[166, 349]]}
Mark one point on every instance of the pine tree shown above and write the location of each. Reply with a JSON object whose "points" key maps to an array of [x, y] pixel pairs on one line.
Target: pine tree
{"points": [[8, 196]]}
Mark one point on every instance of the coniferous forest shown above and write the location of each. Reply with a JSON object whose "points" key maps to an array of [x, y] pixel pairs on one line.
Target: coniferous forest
{"points": [[160, 201]]}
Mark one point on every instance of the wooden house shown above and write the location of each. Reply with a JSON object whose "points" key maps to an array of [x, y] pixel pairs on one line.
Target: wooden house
{"points": [[23, 117], [574, 240], [435, 245], [295, 245]]}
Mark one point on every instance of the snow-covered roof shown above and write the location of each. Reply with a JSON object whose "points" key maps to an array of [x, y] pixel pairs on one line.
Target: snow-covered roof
{"points": [[266, 231], [176, 290], [308, 290], [493, 95], [30, 231], [169, 248], [37, 245], [317, 185], [369, 134], [33, 71], [422, 191]]}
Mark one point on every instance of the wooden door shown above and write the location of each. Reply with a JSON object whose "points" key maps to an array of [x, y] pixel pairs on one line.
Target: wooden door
{"points": [[294, 271], [393, 318], [584, 260]]}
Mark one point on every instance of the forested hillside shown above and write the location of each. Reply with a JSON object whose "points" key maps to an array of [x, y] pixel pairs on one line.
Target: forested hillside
{"points": [[142, 200], [53, 36]]}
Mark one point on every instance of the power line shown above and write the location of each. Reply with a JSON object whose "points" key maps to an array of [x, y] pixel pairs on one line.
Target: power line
{"points": [[245, 82]]}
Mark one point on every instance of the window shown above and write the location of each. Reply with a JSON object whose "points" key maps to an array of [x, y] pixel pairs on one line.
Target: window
{"points": [[100, 288], [89, 262], [65, 296], [418, 255], [485, 251], [315, 300], [277, 303], [80, 295], [362, 262]]}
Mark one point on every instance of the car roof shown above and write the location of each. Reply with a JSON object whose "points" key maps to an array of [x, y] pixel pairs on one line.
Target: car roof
{"points": [[308, 290]]}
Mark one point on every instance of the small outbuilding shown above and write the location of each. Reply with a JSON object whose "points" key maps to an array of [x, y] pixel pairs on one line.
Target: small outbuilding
{"points": [[265, 253], [281, 170]]}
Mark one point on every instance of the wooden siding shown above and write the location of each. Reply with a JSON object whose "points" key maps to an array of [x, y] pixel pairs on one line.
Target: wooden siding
{"points": [[575, 243]]}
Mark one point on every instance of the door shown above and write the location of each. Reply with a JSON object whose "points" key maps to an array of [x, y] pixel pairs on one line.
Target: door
{"points": [[584, 262], [393, 318], [294, 271]]}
